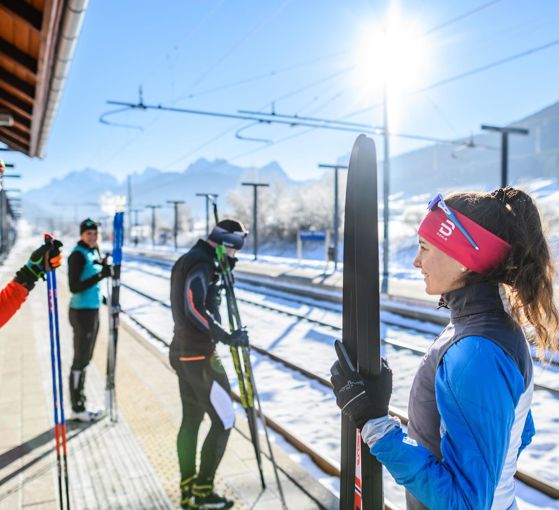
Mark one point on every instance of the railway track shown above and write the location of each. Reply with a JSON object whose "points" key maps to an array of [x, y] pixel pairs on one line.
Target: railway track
{"points": [[393, 343], [324, 463]]}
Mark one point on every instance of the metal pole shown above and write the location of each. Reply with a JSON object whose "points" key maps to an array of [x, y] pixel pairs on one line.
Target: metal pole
{"points": [[208, 196], [176, 223], [505, 132], [176, 226], [255, 219], [153, 208], [129, 207], [336, 226], [385, 193], [207, 216], [255, 186], [504, 158]]}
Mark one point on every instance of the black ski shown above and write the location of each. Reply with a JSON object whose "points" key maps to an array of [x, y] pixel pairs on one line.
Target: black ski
{"points": [[114, 311], [361, 486]]}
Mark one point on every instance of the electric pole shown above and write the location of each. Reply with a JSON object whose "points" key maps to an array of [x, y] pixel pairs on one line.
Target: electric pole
{"points": [[129, 206], [176, 223], [153, 208], [385, 191], [213, 198], [505, 132], [255, 186], [336, 208]]}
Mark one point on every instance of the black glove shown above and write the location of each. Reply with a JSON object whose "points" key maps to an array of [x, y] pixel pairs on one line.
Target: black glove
{"points": [[237, 338], [106, 269], [35, 267], [360, 399], [232, 262]]}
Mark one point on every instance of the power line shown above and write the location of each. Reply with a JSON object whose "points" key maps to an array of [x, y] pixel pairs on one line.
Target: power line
{"points": [[460, 17], [327, 78], [466, 74], [261, 76], [232, 49]]}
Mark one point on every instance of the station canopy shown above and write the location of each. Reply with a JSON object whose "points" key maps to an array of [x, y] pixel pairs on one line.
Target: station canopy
{"points": [[37, 40]]}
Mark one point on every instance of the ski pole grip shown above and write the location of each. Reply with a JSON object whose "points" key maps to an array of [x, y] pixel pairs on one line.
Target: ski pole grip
{"points": [[49, 238]]}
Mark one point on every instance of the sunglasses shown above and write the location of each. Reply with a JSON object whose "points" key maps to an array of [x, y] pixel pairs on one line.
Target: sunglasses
{"points": [[438, 200]]}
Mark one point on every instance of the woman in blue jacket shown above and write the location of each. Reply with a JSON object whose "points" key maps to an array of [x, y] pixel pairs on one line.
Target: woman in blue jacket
{"points": [[469, 407]]}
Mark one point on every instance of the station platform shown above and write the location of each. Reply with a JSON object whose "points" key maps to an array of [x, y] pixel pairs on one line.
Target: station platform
{"points": [[130, 464]]}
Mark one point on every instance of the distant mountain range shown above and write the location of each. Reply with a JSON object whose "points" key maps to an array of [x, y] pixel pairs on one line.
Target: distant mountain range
{"points": [[473, 163], [459, 166], [80, 193]]}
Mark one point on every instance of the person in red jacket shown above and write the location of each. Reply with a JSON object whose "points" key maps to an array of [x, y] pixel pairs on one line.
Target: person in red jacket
{"points": [[15, 293]]}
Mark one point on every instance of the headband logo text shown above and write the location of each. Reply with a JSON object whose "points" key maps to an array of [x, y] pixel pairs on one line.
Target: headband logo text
{"points": [[446, 229]]}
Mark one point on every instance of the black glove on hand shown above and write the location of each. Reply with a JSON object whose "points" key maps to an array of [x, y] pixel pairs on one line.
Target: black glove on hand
{"points": [[237, 338], [232, 262], [360, 399], [106, 269], [35, 267]]}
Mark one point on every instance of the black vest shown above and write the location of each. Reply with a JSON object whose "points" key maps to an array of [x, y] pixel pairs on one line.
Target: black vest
{"points": [[476, 310]]}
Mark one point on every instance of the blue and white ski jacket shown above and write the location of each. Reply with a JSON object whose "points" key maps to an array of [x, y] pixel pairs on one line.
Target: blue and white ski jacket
{"points": [[469, 411]]}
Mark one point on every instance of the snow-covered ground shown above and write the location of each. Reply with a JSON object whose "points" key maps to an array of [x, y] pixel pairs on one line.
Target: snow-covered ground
{"points": [[307, 408]]}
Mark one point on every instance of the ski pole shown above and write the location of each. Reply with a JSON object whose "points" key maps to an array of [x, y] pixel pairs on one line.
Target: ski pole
{"points": [[114, 311], [246, 393], [234, 315], [245, 389], [251, 382], [57, 387]]}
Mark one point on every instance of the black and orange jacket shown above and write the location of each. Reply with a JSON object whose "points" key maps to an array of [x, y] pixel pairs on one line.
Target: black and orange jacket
{"points": [[195, 300], [11, 298]]}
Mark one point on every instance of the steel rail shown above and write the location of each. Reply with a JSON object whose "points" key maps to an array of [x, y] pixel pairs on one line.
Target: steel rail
{"points": [[393, 343]]}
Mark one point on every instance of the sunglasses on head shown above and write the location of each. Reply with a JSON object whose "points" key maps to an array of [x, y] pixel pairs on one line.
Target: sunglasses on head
{"points": [[438, 200]]}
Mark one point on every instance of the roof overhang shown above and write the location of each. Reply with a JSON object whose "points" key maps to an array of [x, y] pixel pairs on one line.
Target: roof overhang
{"points": [[37, 41]]}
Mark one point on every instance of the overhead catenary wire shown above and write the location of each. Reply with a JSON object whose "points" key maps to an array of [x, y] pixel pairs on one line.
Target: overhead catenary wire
{"points": [[217, 137], [466, 74], [232, 49], [429, 87]]}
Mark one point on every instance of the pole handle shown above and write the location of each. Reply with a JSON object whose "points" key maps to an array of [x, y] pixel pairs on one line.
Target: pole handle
{"points": [[49, 239]]}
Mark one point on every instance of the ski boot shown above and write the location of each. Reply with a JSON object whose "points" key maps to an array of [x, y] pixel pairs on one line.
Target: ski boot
{"points": [[79, 411], [204, 498], [86, 415], [186, 491]]}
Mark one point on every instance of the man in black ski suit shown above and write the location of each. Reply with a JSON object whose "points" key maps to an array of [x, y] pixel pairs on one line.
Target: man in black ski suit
{"points": [[203, 383]]}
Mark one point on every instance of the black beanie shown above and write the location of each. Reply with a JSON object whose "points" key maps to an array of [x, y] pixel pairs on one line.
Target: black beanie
{"points": [[87, 224]]}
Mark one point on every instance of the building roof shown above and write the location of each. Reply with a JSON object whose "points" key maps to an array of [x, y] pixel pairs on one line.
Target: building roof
{"points": [[37, 40]]}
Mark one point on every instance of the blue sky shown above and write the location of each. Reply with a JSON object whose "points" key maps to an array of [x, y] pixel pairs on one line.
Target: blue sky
{"points": [[179, 51]]}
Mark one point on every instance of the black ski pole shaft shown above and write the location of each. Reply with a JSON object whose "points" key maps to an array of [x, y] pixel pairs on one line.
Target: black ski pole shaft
{"points": [[229, 289], [245, 388], [235, 316]]}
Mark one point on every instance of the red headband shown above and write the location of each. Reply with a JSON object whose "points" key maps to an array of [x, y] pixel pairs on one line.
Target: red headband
{"points": [[437, 229]]}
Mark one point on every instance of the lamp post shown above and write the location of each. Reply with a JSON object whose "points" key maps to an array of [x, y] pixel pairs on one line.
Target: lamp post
{"points": [[153, 208], [175, 204], [255, 186], [505, 132], [336, 208], [208, 196]]}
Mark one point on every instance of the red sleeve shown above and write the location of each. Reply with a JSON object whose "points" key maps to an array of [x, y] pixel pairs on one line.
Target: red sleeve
{"points": [[11, 298]]}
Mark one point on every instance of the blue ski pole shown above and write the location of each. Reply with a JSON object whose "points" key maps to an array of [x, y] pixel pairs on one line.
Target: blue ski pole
{"points": [[57, 388]]}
